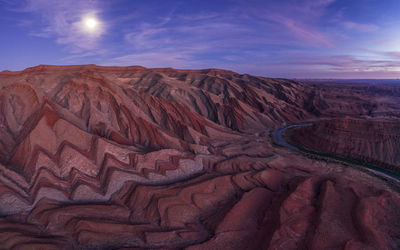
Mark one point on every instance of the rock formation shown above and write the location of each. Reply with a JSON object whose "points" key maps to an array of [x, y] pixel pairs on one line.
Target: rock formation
{"points": [[128, 158], [371, 141]]}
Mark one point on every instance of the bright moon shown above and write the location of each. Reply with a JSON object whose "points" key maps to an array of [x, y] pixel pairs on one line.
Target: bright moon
{"points": [[91, 23], [91, 26]]}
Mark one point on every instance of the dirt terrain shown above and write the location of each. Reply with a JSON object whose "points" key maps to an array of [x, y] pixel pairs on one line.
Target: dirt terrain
{"points": [[129, 158]]}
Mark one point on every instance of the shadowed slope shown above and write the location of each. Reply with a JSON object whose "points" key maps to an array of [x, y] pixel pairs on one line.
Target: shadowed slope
{"points": [[366, 140]]}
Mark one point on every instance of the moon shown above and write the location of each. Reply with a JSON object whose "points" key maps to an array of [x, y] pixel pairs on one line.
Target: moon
{"points": [[91, 23]]}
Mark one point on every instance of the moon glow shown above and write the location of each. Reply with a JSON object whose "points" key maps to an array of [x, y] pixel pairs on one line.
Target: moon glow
{"points": [[91, 23]]}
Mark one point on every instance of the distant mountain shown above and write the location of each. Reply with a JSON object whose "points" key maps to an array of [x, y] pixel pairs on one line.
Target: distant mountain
{"points": [[395, 82]]}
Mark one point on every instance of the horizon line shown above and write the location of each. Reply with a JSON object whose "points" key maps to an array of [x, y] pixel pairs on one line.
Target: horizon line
{"points": [[199, 69]]}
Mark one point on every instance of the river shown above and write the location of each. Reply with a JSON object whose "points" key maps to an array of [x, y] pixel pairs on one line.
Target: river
{"points": [[278, 135]]}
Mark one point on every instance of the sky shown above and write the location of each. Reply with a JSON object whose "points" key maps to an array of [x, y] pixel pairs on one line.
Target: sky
{"points": [[274, 38]]}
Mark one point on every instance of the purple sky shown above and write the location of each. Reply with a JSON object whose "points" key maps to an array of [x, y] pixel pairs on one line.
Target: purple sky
{"points": [[286, 38]]}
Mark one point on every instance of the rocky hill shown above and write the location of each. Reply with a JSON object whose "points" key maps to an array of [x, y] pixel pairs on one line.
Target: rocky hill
{"points": [[128, 157]]}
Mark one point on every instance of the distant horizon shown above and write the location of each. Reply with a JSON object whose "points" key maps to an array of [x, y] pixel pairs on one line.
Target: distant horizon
{"points": [[199, 69]]}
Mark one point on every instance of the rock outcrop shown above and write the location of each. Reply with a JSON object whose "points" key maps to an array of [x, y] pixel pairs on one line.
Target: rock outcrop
{"points": [[371, 141]]}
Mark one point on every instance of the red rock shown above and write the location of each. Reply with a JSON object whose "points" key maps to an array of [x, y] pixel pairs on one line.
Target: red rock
{"points": [[130, 157], [372, 141]]}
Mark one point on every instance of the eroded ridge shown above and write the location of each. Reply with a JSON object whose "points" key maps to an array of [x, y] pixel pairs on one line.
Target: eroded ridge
{"points": [[120, 158]]}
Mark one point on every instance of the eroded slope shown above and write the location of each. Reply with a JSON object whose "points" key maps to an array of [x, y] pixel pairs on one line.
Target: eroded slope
{"points": [[115, 158], [367, 140]]}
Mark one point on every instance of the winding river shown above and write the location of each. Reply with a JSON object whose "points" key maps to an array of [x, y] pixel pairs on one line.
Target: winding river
{"points": [[278, 135]]}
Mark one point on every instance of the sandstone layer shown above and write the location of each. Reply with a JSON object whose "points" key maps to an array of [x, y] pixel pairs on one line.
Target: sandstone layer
{"points": [[371, 141], [134, 158]]}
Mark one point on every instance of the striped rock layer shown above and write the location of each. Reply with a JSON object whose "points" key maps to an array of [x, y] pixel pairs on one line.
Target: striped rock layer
{"points": [[134, 158]]}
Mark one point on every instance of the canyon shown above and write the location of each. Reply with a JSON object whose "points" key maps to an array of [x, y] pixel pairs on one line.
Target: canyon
{"points": [[369, 141], [96, 157]]}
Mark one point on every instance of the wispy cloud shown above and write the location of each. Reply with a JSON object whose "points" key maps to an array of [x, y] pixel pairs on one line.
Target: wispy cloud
{"points": [[225, 35], [360, 26], [186, 40], [297, 19], [62, 20], [393, 54], [345, 63], [309, 34]]}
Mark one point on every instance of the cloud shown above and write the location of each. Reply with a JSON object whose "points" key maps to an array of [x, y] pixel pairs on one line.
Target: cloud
{"points": [[222, 36], [393, 54], [326, 67], [310, 8], [187, 40], [62, 20], [298, 19], [311, 35], [235, 39], [345, 63], [359, 26]]}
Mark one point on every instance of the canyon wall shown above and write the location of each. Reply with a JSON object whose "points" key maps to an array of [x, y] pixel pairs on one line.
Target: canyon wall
{"points": [[375, 142]]}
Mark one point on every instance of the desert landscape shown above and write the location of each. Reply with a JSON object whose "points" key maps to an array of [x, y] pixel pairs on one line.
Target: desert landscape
{"points": [[95, 157]]}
